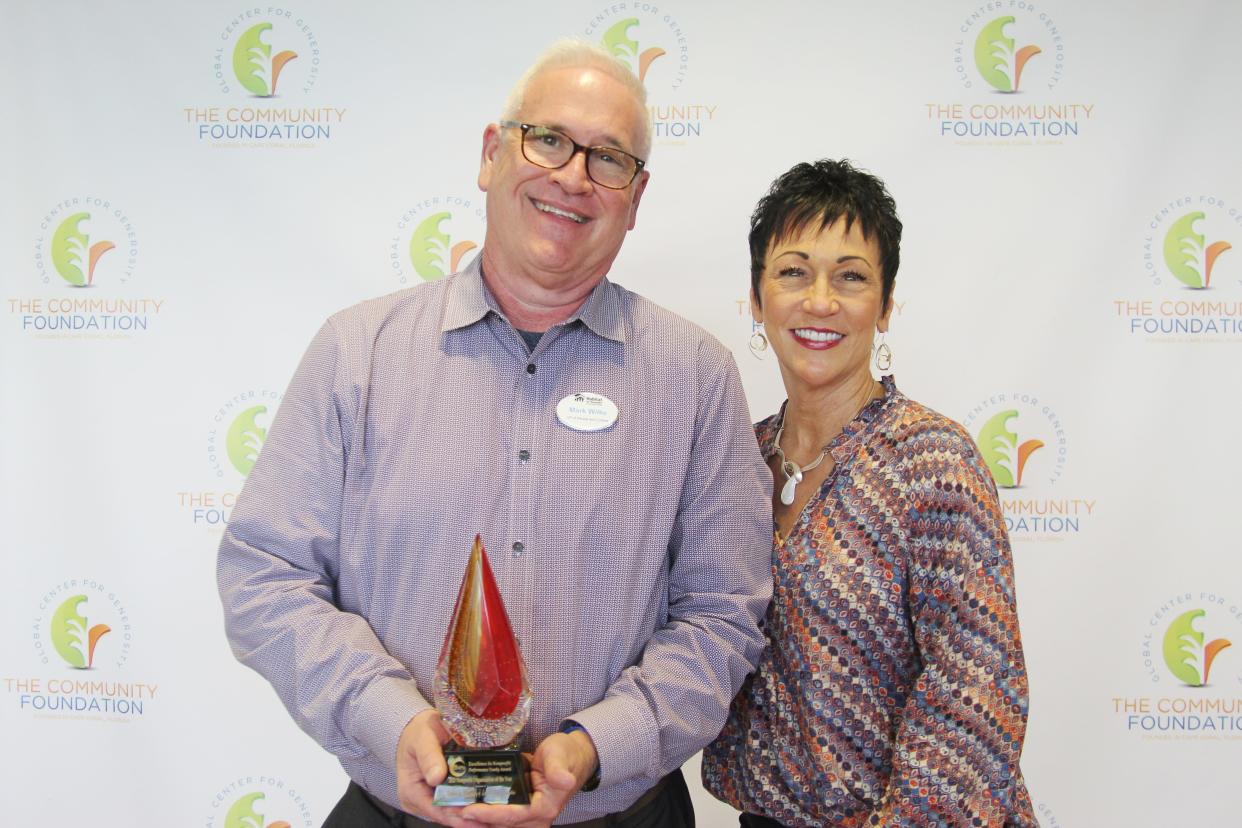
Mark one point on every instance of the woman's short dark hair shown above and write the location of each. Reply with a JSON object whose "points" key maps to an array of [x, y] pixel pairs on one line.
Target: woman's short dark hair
{"points": [[823, 192]]}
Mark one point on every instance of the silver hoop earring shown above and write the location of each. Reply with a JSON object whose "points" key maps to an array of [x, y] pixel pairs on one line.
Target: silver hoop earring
{"points": [[758, 344], [883, 356]]}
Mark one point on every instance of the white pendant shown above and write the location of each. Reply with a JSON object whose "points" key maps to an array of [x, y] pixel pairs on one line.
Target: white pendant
{"points": [[787, 491]]}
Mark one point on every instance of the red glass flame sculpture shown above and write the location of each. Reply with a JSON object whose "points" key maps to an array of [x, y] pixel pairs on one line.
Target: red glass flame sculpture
{"points": [[481, 687]]}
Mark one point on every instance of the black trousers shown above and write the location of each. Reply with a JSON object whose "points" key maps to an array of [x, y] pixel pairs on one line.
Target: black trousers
{"points": [[756, 821], [671, 808]]}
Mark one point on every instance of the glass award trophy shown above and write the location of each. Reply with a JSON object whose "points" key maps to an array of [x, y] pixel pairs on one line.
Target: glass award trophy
{"points": [[483, 696]]}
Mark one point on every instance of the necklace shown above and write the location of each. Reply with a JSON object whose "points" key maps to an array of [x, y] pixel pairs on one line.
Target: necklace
{"points": [[792, 471]]}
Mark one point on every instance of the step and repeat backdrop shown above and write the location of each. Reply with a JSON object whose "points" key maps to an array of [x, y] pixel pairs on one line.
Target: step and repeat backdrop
{"points": [[191, 188]]}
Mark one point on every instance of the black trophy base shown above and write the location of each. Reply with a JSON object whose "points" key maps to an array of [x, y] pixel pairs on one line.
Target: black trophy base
{"points": [[497, 776]]}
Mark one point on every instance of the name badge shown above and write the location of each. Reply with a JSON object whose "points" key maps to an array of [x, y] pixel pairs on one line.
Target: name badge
{"points": [[587, 412]]}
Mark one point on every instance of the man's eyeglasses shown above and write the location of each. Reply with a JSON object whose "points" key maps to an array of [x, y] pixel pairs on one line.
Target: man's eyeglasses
{"points": [[551, 149]]}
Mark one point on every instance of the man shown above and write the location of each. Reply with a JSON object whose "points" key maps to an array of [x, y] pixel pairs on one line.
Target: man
{"points": [[634, 560]]}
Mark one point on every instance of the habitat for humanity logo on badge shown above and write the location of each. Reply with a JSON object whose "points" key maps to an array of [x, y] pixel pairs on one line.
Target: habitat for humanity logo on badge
{"points": [[265, 64], [652, 41], [1008, 62], [1191, 670], [259, 802], [235, 437], [436, 237], [1193, 279], [83, 287], [81, 640], [1024, 443]]}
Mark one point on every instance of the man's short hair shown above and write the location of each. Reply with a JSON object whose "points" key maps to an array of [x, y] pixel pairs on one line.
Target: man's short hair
{"points": [[572, 52]]}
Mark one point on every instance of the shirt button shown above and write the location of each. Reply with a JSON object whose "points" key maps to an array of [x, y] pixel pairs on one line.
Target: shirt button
{"points": [[530, 369], [518, 549], [523, 455]]}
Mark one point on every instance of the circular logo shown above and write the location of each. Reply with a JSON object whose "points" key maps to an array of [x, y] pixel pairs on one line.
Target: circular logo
{"points": [[1188, 654], [1009, 53], [259, 802], [239, 430], [84, 243], [648, 38], [1020, 438], [266, 54], [82, 625], [1189, 639], [1185, 240], [436, 238]]}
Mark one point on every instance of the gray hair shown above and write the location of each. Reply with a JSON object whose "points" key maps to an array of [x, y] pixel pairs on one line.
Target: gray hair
{"points": [[574, 52]]}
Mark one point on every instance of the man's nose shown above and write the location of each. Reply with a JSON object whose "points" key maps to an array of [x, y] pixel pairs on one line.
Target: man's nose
{"points": [[573, 176]]}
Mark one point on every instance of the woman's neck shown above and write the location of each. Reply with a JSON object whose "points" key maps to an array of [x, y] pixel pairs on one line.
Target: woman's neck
{"points": [[813, 419]]}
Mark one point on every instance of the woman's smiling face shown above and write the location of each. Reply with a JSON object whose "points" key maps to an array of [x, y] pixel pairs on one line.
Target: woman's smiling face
{"points": [[821, 302]]}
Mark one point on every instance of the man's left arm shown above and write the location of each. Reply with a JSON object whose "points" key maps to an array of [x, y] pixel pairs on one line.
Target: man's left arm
{"points": [[675, 700]]}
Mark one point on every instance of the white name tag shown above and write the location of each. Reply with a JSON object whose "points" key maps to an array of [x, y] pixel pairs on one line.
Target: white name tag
{"points": [[587, 412]]}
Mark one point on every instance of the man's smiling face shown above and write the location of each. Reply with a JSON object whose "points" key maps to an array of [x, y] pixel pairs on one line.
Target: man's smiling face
{"points": [[557, 228]]}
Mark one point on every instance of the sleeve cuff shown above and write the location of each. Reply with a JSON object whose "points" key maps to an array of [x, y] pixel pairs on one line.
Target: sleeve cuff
{"points": [[625, 739], [382, 711]]}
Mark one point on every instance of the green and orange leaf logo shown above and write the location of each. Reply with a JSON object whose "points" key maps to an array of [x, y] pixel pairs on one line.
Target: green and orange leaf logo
{"points": [[1185, 654], [73, 254], [617, 41], [432, 252], [242, 814], [1187, 256], [1005, 457], [253, 63], [245, 438], [995, 57], [72, 635]]}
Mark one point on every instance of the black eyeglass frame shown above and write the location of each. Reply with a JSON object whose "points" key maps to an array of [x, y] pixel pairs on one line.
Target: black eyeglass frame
{"points": [[639, 164]]}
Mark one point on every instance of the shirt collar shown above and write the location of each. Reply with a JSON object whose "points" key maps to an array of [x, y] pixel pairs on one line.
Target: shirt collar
{"points": [[469, 301], [856, 431], [601, 312], [468, 298]]}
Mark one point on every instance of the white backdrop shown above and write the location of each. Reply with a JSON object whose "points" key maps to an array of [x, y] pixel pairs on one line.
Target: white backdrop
{"points": [[1055, 238]]}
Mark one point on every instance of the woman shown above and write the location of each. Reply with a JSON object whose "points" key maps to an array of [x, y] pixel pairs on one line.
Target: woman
{"points": [[893, 691]]}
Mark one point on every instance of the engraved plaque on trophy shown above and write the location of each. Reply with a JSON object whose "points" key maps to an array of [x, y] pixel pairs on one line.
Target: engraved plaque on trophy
{"points": [[483, 696]]}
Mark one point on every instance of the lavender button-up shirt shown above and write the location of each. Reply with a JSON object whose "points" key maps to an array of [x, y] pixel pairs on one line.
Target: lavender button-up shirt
{"points": [[634, 561]]}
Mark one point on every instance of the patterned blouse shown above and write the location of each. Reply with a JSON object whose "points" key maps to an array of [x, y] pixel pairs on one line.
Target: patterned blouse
{"points": [[893, 691]]}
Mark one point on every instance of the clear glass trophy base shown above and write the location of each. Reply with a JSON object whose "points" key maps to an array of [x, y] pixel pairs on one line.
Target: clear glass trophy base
{"points": [[470, 730]]}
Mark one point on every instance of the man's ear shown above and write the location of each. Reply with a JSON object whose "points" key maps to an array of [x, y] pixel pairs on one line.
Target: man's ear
{"points": [[487, 158], [639, 187]]}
